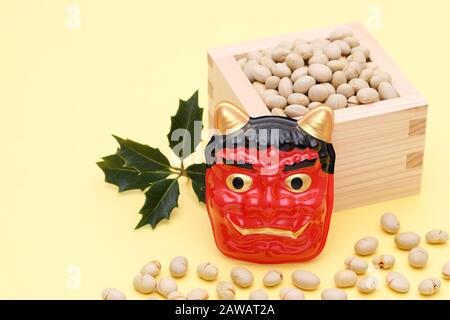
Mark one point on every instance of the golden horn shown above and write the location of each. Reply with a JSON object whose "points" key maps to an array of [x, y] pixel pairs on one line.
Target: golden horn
{"points": [[228, 118], [319, 123]]}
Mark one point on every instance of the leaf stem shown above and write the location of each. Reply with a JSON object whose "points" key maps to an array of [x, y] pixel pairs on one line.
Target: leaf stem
{"points": [[175, 169], [183, 170]]}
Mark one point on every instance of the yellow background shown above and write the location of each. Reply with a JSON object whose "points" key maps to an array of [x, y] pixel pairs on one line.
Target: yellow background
{"points": [[63, 92]]}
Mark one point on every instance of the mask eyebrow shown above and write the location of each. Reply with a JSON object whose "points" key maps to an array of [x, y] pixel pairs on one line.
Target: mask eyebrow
{"points": [[241, 165], [299, 165]]}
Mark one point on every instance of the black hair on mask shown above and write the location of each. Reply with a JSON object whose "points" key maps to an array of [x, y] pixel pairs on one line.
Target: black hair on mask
{"points": [[280, 132]]}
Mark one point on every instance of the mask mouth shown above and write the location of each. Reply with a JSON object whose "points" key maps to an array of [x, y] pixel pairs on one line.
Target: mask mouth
{"points": [[271, 231]]}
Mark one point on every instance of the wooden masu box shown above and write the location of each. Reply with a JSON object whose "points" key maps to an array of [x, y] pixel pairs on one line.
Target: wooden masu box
{"points": [[379, 146]]}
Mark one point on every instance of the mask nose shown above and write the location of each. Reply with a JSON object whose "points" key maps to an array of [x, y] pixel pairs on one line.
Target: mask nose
{"points": [[272, 201], [268, 202]]}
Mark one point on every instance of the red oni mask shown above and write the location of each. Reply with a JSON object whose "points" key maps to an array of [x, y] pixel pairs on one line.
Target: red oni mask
{"points": [[269, 185]]}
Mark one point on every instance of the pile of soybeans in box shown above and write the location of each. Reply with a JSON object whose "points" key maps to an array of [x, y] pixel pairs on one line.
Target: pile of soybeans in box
{"points": [[295, 77]]}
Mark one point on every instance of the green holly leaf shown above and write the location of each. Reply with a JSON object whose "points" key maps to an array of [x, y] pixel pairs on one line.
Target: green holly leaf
{"points": [[141, 156], [128, 178], [197, 173], [160, 199], [184, 136], [139, 166]]}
